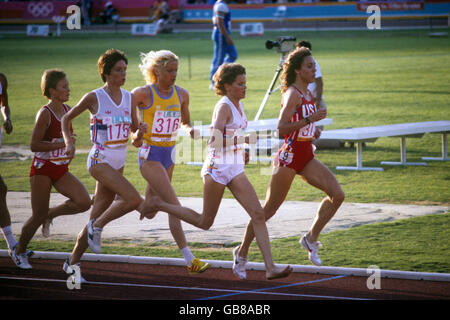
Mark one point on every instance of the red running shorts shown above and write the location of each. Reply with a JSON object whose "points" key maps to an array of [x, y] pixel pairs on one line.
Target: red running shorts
{"points": [[295, 156], [46, 168]]}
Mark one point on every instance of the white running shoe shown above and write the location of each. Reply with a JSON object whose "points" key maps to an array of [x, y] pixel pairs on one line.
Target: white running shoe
{"points": [[211, 87], [239, 264], [46, 228], [312, 249], [21, 260], [30, 253], [74, 270], [94, 236]]}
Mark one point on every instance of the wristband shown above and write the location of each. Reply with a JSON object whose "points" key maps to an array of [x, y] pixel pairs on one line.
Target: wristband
{"points": [[307, 121]]}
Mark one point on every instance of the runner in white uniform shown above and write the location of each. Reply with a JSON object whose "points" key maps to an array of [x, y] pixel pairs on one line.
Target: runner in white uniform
{"points": [[110, 128], [223, 165], [113, 116]]}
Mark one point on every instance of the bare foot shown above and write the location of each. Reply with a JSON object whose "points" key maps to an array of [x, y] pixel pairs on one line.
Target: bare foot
{"points": [[149, 207], [278, 273]]}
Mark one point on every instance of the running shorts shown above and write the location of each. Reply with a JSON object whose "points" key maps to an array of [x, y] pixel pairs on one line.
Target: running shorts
{"points": [[220, 172], [295, 156], [115, 157], [164, 155], [42, 167]]}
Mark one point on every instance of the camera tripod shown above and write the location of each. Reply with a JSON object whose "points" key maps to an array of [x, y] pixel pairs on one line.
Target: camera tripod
{"points": [[271, 89]]}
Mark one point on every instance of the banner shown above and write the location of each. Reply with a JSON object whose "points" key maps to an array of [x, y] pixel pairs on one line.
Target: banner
{"points": [[393, 6], [33, 10], [143, 29]]}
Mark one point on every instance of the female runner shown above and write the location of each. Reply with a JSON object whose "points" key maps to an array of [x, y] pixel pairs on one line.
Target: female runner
{"points": [[164, 107], [50, 166], [224, 166], [112, 117], [296, 157]]}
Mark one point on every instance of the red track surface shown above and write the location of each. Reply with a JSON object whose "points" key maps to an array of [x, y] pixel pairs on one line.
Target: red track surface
{"points": [[125, 281]]}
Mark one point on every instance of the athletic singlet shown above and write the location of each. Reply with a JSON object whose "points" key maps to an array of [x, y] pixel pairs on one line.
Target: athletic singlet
{"points": [[54, 134], [305, 109], [110, 126], [163, 117], [234, 129]]}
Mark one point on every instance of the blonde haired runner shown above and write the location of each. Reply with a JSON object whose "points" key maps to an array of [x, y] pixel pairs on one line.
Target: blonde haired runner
{"points": [[164, 107]]}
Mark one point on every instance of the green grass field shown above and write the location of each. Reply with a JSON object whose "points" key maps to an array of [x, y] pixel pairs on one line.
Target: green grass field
{"points": [[370, 78]]}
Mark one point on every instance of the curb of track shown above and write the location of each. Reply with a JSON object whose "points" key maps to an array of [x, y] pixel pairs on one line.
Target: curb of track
{"points": [[362, 272]]}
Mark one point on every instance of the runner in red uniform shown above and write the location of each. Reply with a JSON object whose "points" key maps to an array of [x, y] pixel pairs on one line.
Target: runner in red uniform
{"points": [[298, 149], [296, 157], [53, 164], [50, 166]]}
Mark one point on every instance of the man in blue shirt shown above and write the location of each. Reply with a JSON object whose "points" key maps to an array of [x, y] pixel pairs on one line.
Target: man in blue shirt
{"points": [[224, 49]]}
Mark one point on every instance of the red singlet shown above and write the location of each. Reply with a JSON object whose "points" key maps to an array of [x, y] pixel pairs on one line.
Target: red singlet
{"points": [[298, 149], [53, 164]]}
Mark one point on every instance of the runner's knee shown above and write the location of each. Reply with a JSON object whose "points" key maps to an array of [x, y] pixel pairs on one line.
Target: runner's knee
{"points": [[83, 204], [258, 216], [132, 202], [338, 197], [206, 223]]}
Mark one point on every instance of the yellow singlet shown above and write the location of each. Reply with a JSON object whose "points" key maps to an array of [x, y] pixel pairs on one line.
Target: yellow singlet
{"points": [[163, 117]]}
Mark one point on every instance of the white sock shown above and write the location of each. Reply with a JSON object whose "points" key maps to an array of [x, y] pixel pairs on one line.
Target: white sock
{"points": [[187, 254], [9, 237]]}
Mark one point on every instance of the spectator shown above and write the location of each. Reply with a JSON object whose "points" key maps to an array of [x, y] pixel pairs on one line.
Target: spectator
{"points": [[159, 9], [315, 87], [224, 49], [110, 14], [162, 25]]}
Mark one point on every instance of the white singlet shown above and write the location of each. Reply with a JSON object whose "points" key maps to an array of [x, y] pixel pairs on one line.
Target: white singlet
{"points": [[110, 129], [225, 164]]}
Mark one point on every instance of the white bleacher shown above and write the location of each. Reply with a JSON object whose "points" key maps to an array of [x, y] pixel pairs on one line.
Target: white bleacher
{"points": [[267, 125], [357, 136], [402, 130]]}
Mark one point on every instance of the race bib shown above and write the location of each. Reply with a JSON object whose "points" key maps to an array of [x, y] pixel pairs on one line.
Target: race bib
{"points": [[285, 157], [144, 151], [165, 125], [58, 156], [97, 153], [38, 163], [117, 131], [307, 131]]}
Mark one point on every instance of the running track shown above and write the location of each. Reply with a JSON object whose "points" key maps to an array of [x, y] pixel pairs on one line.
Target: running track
{"points": [[129, 281]]}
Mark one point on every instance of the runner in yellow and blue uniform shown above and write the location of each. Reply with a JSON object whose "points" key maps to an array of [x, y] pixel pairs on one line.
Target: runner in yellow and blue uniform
{"points": [[164, 106]]}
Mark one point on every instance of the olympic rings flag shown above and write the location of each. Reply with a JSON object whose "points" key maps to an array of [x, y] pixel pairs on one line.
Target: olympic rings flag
{"points": [[40, 9], [45, 10]]}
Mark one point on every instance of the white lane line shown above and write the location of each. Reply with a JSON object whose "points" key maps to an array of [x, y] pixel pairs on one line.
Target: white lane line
{"points": [[234, 292]]}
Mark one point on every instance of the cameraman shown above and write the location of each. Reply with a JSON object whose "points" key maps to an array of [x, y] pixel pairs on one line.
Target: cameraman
{"points": [[224, 49]]}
